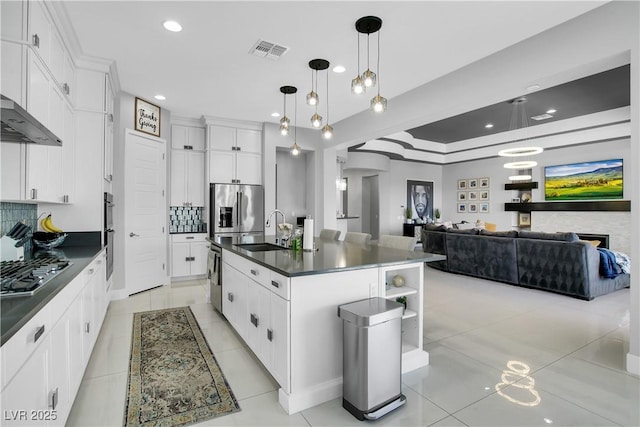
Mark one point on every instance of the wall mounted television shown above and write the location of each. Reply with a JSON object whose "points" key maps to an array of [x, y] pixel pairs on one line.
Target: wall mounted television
{"points": [[584, 181]]}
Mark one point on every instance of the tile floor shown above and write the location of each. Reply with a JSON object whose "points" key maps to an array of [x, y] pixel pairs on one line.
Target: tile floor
{"points": [[500, 355]]}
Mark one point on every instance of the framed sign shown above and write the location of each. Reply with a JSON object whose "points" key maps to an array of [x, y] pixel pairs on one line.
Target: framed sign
{"points": [[147, 117]]}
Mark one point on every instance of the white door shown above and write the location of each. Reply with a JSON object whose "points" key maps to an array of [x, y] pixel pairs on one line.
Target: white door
{"points": [[145, 212]]}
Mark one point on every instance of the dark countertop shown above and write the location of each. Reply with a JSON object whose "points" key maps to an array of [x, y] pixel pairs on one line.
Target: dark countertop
{"points": [[348, 217], [331, 256], [15, 312]]}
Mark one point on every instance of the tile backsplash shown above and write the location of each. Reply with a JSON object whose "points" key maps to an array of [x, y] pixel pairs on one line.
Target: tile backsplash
{"points": [[186, 220], [10, 213]]}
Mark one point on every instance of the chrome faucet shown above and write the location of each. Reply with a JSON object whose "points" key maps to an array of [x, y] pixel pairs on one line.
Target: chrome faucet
{"points": [[273, 212]]}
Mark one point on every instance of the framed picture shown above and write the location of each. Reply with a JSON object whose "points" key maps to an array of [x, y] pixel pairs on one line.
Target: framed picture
{"points": [[462, 184], [472, 207], [484, 182], [473, 183], [462, 207], [147, 117], [524, 219], [484, 207], [584, 181], [462, 195], [515, 200], [484, 195], [473, 195], [420, 200]]}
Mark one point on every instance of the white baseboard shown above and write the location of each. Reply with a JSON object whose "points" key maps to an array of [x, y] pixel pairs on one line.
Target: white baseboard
{"points": [[118, 294], [633, 363], [296, 402]]}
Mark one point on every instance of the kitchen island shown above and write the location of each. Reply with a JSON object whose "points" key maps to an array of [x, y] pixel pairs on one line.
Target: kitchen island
{"points": [[284, 305]]}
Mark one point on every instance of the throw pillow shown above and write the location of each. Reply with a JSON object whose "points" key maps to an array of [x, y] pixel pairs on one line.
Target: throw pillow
{"points": [[509, 233], [456, 231], [434, 227], [595, 243], [562, 237]]}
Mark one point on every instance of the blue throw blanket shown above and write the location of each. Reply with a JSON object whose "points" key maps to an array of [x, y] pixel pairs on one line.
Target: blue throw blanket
{"points": [[608, 267]]}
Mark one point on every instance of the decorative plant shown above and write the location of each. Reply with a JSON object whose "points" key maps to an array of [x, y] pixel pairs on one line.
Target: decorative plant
{"points": [[402, 300], [408, 213], [437, 213]]}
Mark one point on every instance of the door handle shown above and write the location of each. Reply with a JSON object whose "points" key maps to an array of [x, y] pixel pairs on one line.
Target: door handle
{"points": [[230, 296], [134, 235], [269, 334]]}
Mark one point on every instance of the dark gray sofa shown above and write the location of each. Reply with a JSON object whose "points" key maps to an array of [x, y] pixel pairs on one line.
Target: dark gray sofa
{"points": [[556, 262]]}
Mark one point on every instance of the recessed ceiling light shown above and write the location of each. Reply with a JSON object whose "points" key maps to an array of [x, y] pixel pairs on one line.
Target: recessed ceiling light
{"points": [[533, 87], [551, 111], [489, 125], [160, 97], [339, 69], [172, 26], [275, 114]]}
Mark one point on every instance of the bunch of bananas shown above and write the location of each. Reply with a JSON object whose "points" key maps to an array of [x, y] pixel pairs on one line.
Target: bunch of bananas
{"points": [[48, 226]]}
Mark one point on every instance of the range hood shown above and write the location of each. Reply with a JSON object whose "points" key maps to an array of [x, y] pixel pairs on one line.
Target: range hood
{"points": [[20, 126]]}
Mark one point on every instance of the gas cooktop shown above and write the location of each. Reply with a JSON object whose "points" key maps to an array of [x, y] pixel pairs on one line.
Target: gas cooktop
{"points": [[24, 278]]}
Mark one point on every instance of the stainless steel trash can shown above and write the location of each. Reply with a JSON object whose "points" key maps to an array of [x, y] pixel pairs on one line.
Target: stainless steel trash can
{"points": [[371, 357]]}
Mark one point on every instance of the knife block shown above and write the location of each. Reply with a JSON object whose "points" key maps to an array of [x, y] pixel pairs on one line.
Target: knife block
{"points": [[9, 252]]}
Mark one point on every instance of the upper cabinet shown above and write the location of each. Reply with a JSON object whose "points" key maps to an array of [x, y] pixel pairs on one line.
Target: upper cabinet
{"points": [[187, 138], [235, 155], [187, 166]]}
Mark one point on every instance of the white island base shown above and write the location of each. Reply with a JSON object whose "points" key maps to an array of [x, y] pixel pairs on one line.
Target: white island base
{"points": [[316, 330], [306, 360]]}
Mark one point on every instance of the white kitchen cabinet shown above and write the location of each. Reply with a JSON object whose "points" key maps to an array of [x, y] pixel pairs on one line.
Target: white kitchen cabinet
{"points": [[187, 138], [235, 155], [258, 313], [12, 22], [68, 154], [234, 299], [108, 131], [59, 368], [187, 178], [13, 76], [189, 254], [43, 362], [278, 335], [28, 394], [254, 307], [40, 30]]}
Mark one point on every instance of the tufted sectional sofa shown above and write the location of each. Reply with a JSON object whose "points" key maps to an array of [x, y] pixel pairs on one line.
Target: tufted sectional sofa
{"points": [[556, 262]]}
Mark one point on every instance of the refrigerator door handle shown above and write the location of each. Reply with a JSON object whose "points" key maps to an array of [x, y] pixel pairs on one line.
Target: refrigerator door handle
{"points": [[240, 208]]}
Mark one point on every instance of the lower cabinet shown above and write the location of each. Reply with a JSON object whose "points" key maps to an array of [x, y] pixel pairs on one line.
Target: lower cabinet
{"points": [[261, 318], [40, 389], [189, 254]]}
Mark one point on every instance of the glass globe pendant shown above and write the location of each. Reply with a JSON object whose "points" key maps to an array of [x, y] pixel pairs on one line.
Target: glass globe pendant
{"points": [[327, 132], [379, 104], [316, 120]]}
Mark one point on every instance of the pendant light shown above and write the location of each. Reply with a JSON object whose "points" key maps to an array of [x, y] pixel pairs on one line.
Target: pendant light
{"points": [[357, 85], [316, 64], [379, 103], [366, 25], [327, 130], [284, 121], [312, 97], [295, 149]]}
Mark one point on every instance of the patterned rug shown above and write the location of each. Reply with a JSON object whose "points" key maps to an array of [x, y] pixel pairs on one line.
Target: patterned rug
{"points": [[174, 378]]}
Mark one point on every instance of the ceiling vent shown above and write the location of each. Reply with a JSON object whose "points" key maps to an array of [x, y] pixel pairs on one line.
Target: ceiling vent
{"points": [[265, 49], [542, 117]]}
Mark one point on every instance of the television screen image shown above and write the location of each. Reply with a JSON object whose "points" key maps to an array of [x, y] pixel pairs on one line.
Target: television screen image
{"points": [[584, 181]]}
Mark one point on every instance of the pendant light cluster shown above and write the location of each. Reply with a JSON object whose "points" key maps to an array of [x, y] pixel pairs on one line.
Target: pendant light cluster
{"points": [[524, 164], [368, 79], [313, 99], [285, 122]]}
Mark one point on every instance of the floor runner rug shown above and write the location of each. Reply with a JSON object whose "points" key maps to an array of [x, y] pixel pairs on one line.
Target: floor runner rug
{"points": [[174, 379]]}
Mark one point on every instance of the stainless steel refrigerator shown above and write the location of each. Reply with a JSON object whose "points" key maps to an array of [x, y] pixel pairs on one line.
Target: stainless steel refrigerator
{"points": [[236, 209]]}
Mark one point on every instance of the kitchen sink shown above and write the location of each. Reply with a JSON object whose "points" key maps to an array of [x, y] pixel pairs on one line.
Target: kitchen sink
{"points": [[260, 247]]}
